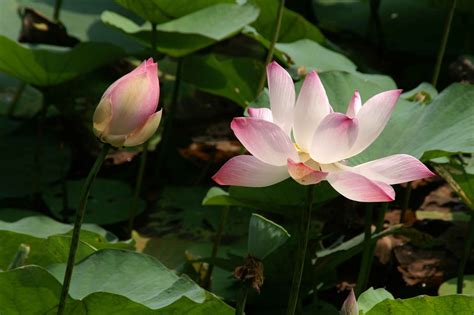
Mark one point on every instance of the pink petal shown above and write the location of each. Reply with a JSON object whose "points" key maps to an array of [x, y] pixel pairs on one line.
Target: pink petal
{"points": [[248, 171], [334, 138], [261, 113], [265, 140], [373, 117], [394, 169], [282, 96], [359, 188], [102, 117], [354, 105], [142, 134], [134, 98], [311, 107], [304, 174]]}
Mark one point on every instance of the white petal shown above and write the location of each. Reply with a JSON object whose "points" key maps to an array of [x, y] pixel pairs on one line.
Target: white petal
{"points": [[334, 138], [373, 117], [359, 188], [265, 140], [354, 105], [311, 107], [261, 113], [282, 96], [394, 169], [248, 171]]}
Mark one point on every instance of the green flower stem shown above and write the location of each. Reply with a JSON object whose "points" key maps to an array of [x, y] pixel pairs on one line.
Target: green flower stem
{"points": [[369, 245], [239, 310], [153, 38], [301, 254], [444, 42], [206, 283], [77, 226], [406, 202], [375, 18], [170, 116], [141, 168], [366, 253], [466, 255], [271, 48], [138, 187], [57, 9]]}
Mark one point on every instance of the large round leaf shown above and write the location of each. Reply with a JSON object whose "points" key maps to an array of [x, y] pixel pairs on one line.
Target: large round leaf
{"points": [[191, 32], [235, 78], [45, 67], [49, 240], [109, 201], [41, 296], [154, 286]]}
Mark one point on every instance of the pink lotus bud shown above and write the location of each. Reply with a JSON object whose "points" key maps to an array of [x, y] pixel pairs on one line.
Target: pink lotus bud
{"points": [[350, 305], [126, 114]]}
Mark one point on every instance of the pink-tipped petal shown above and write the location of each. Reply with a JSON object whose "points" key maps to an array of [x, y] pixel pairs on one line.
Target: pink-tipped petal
{"points": [[134, 99], [311, 107], [359, 188], [265, 140], [248, 171], [394, 169], [354, 105], [261, 113], [373, 117], [282, 96], [114, 140], [143, 133], [334, 138], [102, 117], [350, 307], [304, 174]]}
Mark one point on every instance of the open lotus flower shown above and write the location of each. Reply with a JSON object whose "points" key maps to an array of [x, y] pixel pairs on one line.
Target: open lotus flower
{"points": [[310, 142], [126, 114]]}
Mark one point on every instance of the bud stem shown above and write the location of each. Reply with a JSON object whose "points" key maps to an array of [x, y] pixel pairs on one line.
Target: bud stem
{"points": [[138, 187], [301, 253], [77, 226], [271, 48], [369, 245], [443, 44]]}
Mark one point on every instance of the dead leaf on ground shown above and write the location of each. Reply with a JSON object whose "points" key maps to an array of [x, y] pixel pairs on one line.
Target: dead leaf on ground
{"points": [[428, 267]]}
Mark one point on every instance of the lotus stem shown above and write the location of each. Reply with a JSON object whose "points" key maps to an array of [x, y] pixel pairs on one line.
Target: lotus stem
{"points": [[138, 187], [206, 283], [239, 310], [271, 48], [153, 38], [406, 202], [466, 255], [57, 9], [366, 254], [170, 116], [141, 168], [77, 226], [444, 42], [301, 254], [375, 16], [369, 246]]}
